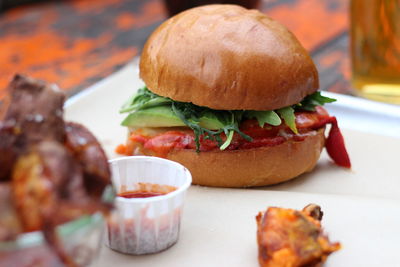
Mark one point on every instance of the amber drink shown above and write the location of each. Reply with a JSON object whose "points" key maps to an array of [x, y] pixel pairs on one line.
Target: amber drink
{"points": [[375, 49]]}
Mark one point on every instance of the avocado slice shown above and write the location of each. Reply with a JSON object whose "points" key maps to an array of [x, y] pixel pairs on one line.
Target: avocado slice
{"points": [[163, 116]]}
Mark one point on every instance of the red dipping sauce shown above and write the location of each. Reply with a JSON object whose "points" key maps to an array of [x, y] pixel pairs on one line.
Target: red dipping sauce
{"points": [[135, 194], [146, 190]]}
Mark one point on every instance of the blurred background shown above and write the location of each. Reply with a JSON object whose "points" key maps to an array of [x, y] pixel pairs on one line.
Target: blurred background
{"points": [[76, 43]]}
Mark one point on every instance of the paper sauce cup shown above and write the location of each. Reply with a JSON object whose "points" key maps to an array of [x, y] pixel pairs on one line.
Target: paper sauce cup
{"points": [[146, 225]]}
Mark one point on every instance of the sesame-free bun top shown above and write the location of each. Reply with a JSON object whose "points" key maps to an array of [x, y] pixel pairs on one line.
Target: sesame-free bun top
{"points": [[227, 57]]}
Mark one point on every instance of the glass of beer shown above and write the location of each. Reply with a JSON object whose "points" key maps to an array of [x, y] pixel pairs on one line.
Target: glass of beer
{"points": [[375, 49], [176, 6]]}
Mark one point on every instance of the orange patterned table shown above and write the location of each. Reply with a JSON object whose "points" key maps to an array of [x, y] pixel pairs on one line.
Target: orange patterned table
{"points": [[76, 43]]}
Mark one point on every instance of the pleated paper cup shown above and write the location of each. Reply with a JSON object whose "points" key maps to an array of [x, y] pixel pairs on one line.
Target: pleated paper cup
{"points": [[146, 225]]}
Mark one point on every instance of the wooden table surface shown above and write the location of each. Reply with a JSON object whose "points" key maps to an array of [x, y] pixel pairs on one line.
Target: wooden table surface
{"points": [[76, 43]]}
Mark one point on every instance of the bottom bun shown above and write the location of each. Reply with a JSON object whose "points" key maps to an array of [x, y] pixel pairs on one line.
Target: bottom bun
{"points": [[252, 167]]}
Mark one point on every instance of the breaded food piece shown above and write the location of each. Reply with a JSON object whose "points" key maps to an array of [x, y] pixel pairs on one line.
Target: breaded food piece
{"points": [[42, 180], [291, 238], [90, 155], [51, 172], [33, 113]]}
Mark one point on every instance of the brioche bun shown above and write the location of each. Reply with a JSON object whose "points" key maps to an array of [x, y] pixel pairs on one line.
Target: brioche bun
{"points": [[227, 57]]}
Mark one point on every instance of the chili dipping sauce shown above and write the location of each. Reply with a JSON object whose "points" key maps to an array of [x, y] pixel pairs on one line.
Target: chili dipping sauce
{"points": [[146, 190]]}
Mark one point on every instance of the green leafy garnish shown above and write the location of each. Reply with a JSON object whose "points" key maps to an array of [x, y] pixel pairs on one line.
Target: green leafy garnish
{"points": [[144, 98], [191, 114], [212, 124], [264, 117], [311, 101], [288, 116]]}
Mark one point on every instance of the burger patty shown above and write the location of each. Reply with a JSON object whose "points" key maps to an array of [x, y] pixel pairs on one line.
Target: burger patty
{"points": [[161, 142]]}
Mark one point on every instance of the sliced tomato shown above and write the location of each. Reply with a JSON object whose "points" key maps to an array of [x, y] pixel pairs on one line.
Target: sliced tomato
{"points": [[162, 144]]}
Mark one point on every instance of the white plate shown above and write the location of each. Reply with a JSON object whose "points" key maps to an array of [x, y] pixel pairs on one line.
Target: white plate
{"points": [[362, 206]]}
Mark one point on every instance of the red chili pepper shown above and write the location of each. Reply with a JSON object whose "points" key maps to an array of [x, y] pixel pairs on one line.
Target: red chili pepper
{"points": [[335, 145]]}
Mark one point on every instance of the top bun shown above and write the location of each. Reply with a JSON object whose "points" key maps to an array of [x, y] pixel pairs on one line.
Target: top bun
{"points": [[227, 57]]}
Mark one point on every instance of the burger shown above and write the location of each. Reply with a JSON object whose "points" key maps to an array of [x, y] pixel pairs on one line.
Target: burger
{"points": [[232, 95]]}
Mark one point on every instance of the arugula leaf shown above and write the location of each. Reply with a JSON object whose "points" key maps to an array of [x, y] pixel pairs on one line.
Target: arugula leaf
{"points": [[190, 115], [288, 116], [126, 106], [190, 118], [264, 117], [228, 140], [311, 101], [144, 98]]}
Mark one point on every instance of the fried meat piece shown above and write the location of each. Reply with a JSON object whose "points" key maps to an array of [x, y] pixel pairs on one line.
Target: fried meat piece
{"points": [[89, 153], [57, 173], [42, 180], [33, 113], [48, 190], [47, 185], [292, 238]]}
